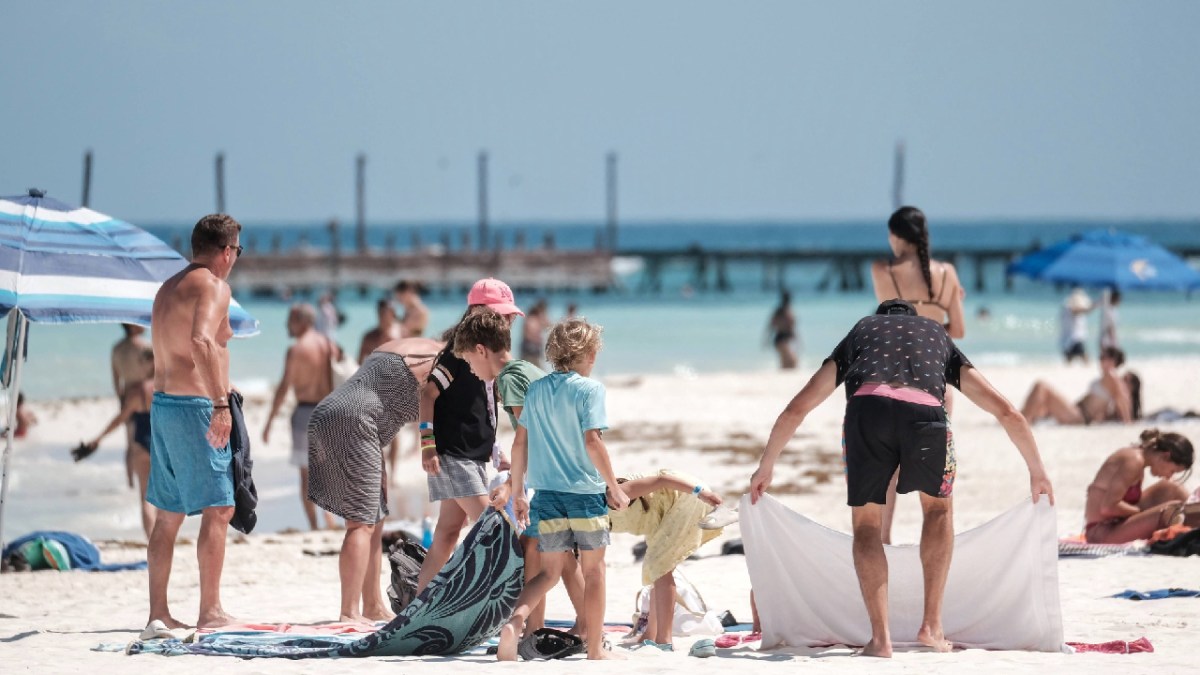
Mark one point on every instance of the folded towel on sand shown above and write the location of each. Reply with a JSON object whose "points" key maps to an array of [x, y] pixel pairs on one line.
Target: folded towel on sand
{"points": [[333, 628], [81, 553], [1076, 547], [1158, 594], [734, 639], [1114, 646]]}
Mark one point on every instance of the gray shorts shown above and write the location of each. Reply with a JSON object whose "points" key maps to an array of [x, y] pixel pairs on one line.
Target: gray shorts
{"points": [[300, 417], [458, 478]]}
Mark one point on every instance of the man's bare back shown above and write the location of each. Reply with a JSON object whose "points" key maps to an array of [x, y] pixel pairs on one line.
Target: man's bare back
{"points": [[191, 307], [308, 366], [375, 338]]}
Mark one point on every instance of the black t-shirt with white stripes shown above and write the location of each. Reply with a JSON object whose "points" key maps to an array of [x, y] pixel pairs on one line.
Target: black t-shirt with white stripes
{"points": [[913, 351], [463, 425]]}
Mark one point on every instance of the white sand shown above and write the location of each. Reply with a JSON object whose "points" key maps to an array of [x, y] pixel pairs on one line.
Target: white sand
{"points": [[711, 425]]}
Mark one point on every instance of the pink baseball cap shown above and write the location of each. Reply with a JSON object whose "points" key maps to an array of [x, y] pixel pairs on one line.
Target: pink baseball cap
{"points": [[495, 294]]}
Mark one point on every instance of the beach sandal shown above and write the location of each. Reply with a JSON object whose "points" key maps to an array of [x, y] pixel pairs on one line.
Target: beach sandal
{"points": [[734, 639], [82, 451], [548, 643], [156, 630], [703, 649], [661, 646], [722, 516]]}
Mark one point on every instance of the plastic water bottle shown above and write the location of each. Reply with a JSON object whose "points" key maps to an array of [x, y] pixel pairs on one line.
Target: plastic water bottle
{"points": [[427, 532]]}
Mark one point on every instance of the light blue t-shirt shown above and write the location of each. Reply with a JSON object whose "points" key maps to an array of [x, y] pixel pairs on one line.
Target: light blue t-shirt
{"points": [[559, 408]]}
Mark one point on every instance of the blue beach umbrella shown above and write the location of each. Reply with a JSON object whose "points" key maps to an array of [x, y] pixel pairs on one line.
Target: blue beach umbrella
{"points": [[1107, 258], [60, 264]]}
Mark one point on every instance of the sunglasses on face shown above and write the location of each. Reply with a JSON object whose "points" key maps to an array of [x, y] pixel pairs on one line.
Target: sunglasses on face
{"points": [[239, 248]]}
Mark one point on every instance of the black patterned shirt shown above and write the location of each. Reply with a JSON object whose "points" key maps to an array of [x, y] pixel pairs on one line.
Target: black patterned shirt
{"points": [[912, 351]]}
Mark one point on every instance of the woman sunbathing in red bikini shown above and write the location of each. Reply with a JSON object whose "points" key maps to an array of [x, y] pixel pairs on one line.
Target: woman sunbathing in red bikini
{"points": [[1118, 510]]}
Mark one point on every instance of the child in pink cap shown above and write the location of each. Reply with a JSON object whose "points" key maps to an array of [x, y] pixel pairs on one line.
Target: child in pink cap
{"points": [[458, 433]]}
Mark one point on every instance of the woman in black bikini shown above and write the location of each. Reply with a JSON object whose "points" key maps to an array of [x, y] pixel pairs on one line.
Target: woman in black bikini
{"points": [[783, 331], [135, 409], [931, 286]]}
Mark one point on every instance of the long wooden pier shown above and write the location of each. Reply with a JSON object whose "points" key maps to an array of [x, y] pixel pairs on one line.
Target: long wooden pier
{"points": [[544, 270], [548, 269]]}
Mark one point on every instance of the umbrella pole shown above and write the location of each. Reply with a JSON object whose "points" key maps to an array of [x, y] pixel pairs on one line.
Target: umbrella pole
{"points": [[17, 355]]}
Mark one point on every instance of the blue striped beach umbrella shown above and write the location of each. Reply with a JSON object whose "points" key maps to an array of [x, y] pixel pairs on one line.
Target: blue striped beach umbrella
{"points": [[60, 264]]}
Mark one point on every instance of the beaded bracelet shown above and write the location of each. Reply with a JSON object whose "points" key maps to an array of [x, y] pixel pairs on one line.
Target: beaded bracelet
{"points": [[425, 426], [698, 489]]}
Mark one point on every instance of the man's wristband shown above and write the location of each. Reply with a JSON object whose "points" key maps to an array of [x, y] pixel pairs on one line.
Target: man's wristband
{"points": [[425, 426], [221, 407]]}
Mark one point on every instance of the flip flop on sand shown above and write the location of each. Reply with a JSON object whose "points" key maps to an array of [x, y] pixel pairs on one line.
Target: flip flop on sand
{"points": [[720, 517], [156, 630], [703, 649]]}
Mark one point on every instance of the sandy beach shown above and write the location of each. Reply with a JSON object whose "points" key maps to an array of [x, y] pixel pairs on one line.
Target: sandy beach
{"points": [[711, 425]]}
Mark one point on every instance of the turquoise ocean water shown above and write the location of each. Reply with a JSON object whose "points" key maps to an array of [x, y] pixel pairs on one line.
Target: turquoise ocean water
{"points": [[674, 332], [680, 331]]}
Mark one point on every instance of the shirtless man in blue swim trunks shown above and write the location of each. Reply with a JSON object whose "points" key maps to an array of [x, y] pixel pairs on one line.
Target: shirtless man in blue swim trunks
{"points": [[190, 420]]}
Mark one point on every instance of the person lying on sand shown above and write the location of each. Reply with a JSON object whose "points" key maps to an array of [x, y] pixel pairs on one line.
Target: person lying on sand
{"points": [[1112, 397]]}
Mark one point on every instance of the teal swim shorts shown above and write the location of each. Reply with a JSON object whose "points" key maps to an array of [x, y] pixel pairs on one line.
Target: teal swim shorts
{"points": [[187, 475]]}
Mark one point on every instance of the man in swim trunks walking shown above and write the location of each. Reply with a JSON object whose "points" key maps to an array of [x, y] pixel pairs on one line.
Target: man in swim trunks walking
{"points": [[306, 371], [896, 366], [190, 421]]}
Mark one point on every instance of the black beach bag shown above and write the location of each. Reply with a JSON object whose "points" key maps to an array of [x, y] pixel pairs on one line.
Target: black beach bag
{"points": [[405, 557]]}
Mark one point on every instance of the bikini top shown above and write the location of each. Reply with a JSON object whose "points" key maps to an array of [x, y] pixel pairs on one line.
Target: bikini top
{"points": [[1134, 494], [1097, 389], [936, 302]]}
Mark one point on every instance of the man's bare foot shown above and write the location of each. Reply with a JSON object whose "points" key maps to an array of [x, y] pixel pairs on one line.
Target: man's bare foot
{"points": [[169, 621], [507, 651], [935, 640], [215, 619], [881, 649]]}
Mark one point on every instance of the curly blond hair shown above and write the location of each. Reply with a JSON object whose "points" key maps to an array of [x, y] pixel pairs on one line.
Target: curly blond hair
{"points": [[571, 342]]}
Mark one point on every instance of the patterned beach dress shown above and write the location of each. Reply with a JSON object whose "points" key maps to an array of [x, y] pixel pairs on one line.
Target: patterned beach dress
{"points": [[348, 430]]}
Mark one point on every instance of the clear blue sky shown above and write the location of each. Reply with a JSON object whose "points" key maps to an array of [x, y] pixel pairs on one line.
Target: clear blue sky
{"points": [[719, 110]]}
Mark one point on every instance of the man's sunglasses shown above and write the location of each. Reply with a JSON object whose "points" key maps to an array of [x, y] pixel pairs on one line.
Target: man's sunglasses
{"points": [[239, 248]]}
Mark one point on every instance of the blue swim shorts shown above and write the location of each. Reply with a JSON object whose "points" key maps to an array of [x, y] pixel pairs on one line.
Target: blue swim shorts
{"points": [[531, 530], [565, 520], [187, 475]]}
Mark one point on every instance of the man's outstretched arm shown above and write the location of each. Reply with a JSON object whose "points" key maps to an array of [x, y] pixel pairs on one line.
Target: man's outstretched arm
{"points": [[983, 394], [819, 387]]}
